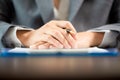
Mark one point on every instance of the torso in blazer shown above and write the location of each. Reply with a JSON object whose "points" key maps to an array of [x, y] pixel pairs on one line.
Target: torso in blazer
{"points": [[83, 14]]}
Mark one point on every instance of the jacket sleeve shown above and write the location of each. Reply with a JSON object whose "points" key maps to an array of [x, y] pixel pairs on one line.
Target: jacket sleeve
{"points": [[6, 16], [113, 25]]}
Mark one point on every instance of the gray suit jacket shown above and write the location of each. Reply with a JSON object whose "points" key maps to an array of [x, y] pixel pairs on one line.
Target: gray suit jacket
{"points": [[83, 14]]}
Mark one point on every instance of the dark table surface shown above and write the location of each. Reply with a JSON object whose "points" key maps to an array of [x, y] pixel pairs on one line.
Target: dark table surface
{"points": [[60, 67]]}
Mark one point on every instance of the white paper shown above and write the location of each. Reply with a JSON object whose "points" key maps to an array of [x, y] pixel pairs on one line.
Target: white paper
{"points": [[54, 51]]}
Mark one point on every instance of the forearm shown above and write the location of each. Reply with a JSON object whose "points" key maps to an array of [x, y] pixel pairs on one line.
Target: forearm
{"points": [[111, 33], [10, 38]]}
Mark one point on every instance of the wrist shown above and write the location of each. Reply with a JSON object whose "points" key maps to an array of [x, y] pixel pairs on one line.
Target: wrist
{"points": [[97, 38], [23, 36]]}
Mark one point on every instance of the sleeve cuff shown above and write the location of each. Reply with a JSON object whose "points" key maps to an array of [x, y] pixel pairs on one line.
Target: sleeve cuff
{"points": [[10, 39], [109, 39]]}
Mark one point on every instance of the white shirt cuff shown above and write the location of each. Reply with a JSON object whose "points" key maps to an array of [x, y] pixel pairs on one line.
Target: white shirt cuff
{"points": [[11, 39]]}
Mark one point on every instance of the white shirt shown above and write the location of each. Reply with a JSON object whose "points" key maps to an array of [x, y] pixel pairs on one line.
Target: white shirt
{"points": [[62, 12]]}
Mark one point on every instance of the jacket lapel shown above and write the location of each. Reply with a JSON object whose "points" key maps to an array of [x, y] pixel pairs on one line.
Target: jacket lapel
{"points": [[46, 9], [74, 7]]}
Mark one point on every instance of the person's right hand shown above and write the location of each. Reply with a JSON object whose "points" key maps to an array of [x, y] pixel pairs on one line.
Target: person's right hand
{"points": [[50, 34]]}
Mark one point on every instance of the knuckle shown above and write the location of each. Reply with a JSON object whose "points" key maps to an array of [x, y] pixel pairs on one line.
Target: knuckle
{"points": [[52, 21], [47, 25]]}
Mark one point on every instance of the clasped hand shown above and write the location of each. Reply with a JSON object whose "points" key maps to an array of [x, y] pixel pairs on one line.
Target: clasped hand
{"points": [[54, 35]]}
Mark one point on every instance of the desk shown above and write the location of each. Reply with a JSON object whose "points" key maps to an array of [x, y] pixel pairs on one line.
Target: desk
{"points": [[60, 67]]}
